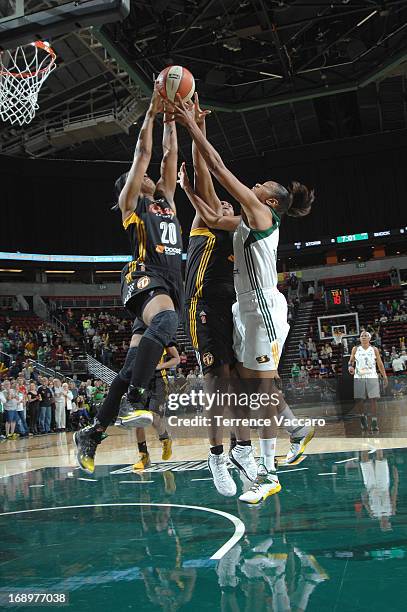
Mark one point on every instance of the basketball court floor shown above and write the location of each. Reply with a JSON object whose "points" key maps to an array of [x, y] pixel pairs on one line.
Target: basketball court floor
{"points": [[335, 538]]}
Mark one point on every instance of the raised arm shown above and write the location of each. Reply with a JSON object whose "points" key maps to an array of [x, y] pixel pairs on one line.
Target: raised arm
{"points": [[167, 182], [210, 217], [203, 181], [259, 217], [142, 156]]}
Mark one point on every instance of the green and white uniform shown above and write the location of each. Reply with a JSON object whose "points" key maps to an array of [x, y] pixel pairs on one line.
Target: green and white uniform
{"points": [[366, 379], [260, 313]]}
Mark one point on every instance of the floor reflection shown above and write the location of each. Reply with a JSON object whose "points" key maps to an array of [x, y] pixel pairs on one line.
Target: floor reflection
{"points": [[335, 538]]}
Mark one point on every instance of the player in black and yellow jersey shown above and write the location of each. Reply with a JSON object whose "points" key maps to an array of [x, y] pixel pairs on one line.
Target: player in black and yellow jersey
{"points": [[157, 396], [152, 286], [210, 294], [209, 290]]}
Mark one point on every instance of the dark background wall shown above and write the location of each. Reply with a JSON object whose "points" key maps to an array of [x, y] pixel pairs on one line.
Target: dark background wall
{"points": [[63, 206]]}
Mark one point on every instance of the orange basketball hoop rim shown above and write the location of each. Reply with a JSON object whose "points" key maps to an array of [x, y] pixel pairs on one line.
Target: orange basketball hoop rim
{"points": [[39, 44]]}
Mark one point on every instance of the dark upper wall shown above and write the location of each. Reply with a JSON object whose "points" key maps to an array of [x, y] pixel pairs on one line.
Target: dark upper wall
{"points": [[63, 206]]}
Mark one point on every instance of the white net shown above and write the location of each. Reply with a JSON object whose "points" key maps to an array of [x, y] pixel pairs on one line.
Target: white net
{"points": [[22, 72]]}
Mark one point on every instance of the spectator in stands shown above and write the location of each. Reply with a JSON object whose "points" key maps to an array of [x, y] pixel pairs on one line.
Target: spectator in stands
{"points": [[403, 356], [73, 389], [89, 390], [302, 350], [303, 377], [295, 372], [323, 371], [328, 350], [80, 414], [398, 365], [311, 291], [60, 421], [383, 318], [191, 379], [46, 401], [98, 394], [309, 367], [10, 409], [311, 348], [68, 397], [97, 345], [85, 323], [33, 408], [382, 308], [180, 379], [59, 353], [26, 372], [107, 355], [183, 360], [40, 354]]}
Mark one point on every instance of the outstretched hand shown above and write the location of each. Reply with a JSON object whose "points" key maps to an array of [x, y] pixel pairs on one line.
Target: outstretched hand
{"points": [[198, 112], [181, 112], [157, 101], [183, 178]]}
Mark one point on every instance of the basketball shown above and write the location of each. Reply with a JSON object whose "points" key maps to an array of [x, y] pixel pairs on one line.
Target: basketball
{"points": [[175, 80]]}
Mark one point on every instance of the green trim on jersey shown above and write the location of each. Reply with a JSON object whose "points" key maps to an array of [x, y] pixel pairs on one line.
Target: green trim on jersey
{"points": [[268, 321], [256, 235]]}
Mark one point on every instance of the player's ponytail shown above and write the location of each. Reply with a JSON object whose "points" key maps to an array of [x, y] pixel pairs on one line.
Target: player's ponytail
{"points": [[301, 199]]}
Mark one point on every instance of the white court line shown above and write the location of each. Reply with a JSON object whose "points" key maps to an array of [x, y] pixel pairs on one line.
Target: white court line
{"points": [[327, 474], [345, 460], [88, 479], [238, 524], [291, 470], [135, 481], [21, 473], [198, 479]]}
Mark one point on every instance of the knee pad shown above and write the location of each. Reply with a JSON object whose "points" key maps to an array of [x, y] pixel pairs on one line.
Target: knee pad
{"points": [[125, 372], [163, 327]]}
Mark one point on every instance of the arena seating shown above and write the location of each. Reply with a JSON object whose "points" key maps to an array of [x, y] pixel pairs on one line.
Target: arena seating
{"points": [[364, 299]]}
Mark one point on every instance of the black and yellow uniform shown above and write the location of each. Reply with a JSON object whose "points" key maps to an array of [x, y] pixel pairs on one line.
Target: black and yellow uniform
{"points": [[209, 296], [156, 244], [159, 386]]}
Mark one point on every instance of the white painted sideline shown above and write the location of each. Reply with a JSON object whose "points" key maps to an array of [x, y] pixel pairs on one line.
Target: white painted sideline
{"points": [[238, 524]]}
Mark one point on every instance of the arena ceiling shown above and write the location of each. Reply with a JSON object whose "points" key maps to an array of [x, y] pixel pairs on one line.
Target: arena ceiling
{"points": [[279, 73]]}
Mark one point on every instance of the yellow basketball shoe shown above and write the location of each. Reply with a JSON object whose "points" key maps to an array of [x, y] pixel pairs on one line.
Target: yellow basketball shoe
{"points": [[167, 449], [266, 484], [143, 463], [298, 446]]}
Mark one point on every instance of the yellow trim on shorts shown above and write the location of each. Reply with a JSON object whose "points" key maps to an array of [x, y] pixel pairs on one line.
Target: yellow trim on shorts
{"points": [[201, 231], [192, 322]]}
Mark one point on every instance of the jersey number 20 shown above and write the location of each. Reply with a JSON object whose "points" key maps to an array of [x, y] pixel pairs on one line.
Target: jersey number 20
{"points": [[169, 233]]}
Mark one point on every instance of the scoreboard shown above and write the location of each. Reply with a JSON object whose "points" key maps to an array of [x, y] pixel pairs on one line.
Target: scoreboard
{"points": [[336, 299]]}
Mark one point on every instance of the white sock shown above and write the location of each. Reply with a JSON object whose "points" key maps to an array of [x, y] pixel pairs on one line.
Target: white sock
{"points": [[268, 452], [300, 432]]}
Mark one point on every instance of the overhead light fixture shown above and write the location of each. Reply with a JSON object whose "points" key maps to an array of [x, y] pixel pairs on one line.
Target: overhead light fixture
{"points": [[232, 44], [60, 271], [366, 19], [9, 270]]}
